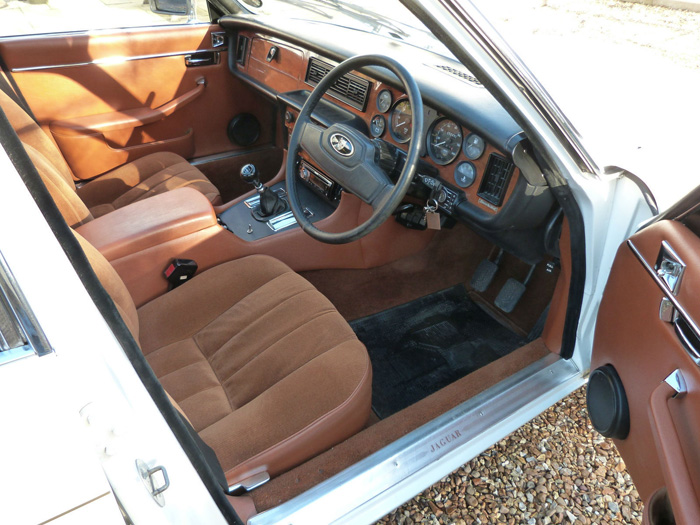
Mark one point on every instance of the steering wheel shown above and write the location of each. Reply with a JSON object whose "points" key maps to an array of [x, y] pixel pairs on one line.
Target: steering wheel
{"points": [[350, 157]]}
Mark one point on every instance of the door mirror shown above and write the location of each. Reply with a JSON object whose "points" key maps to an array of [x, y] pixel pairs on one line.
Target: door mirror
{"points": [[170, 7]]}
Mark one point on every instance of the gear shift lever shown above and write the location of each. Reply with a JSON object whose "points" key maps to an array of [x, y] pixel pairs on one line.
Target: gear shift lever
{"points": [[249, 174], [270, 203]]}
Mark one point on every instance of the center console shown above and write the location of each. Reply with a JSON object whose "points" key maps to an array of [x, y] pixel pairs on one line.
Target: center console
{"points": [[319, 196]]}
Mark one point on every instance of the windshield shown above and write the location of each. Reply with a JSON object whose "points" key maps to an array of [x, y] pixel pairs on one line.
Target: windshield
{"points": [[386, 17]]}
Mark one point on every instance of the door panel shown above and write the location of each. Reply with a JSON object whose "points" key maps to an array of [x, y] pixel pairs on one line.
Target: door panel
{"points": [[661, 450], [120, 76]]}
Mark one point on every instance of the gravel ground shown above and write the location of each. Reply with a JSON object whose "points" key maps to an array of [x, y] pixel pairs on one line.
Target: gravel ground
{"points": [[555, 469]]}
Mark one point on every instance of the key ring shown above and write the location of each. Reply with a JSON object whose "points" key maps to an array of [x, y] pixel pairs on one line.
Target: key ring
{"points": [[431, 207]]}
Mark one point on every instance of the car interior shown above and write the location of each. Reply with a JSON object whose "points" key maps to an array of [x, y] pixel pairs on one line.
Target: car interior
{"points": [[314, 261]]}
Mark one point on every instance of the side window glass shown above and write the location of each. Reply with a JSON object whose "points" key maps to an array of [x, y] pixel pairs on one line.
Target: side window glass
{"points": [[31, 17]]}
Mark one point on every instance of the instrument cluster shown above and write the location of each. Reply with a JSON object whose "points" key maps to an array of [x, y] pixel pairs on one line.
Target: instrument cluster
{"points": [[445, 139]]}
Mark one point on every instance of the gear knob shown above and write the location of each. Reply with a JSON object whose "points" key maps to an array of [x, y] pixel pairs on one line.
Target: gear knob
{"points": [[249, 174]]}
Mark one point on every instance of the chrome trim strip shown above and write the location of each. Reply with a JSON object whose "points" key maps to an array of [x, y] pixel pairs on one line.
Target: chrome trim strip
{"points": [[115, 60], [282, 221], [15, 354], [28, 322], [360, 492], [665, 289], [227, 155], [111, 31], [686, 342]]}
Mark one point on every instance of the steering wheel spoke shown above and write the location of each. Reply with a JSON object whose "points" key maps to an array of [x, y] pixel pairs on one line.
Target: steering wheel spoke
{"points": [[348, 155], [310, 136], [382, 187]]}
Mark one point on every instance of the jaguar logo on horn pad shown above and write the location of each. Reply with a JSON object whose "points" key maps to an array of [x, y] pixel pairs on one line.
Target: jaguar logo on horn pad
{"points": [[342, 144]]}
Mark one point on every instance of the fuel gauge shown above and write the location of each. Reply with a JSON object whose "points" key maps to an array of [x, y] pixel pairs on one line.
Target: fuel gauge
{"points": [[474, 146]]}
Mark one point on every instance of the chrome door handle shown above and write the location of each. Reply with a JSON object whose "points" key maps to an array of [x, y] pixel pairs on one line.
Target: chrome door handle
{"points": [[206, 58], [669, 267]]}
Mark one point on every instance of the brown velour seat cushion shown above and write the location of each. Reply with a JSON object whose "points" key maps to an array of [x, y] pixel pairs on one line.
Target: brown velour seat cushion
{"points": [[262, 364], [145, 177]]}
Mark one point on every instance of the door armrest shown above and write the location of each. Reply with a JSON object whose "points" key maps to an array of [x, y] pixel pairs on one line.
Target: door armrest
{"points": [[130, 118]]}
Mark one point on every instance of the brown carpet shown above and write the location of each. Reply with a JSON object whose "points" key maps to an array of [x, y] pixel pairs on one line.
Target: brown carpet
{"points": [[379, 435], [451, 258]]}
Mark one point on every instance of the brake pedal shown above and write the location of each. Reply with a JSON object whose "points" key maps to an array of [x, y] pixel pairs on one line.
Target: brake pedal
{"points": [[484, 273], [511, 293]]}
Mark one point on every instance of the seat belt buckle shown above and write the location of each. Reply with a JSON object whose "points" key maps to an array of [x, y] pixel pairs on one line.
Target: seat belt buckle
{"points": [[180, 271]]}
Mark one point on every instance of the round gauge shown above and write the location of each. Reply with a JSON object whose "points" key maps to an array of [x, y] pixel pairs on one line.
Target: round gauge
{"points": [[444, 141], [465, 174], [401, 121], [377, 126], [474, 146], [384, 100]]}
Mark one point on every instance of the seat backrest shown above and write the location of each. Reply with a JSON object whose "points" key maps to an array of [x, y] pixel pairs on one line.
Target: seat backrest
{"points": [[48, 161], [69, 204], [30, 133]]}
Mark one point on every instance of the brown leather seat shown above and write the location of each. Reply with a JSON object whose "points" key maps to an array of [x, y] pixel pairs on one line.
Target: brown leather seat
{"points": [[134, 181], [264, 367]]}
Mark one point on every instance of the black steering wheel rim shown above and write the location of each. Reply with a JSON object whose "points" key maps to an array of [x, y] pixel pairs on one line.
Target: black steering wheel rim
{"points": [[393, 195]]}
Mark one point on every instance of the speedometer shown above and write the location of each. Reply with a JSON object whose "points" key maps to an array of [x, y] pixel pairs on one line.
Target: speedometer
{"points": [[444, 141], [401, 121]]}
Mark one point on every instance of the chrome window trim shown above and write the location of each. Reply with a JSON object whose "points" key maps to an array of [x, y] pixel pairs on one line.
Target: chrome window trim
{"points": [[37, 343], [102, 31], [115, 60], [373, 486]]}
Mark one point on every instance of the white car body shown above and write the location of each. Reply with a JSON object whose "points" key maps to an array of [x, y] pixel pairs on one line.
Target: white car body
{"points": [[75, 421]]}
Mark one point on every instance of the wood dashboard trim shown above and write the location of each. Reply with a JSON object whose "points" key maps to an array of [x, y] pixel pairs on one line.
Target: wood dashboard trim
{"points": [[281, 77]]}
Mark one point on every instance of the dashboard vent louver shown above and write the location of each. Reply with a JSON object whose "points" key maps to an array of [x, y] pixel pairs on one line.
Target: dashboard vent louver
{"points": [[349, 88], [496, 178], [464, 75]]}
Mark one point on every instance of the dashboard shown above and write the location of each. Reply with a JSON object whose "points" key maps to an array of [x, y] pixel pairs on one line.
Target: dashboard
{"points": [[469, 145]]}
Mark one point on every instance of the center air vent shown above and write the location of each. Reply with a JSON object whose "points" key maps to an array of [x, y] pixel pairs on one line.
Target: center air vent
{"points": [[496, 178], [464, 75], [349, 88]]}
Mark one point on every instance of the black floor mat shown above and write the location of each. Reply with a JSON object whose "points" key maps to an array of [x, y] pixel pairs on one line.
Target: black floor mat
{"points": [[422, 346]]}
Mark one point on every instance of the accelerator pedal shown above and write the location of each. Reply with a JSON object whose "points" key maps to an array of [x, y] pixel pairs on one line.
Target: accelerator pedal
{"points": [[511, 293], [484, 273]]}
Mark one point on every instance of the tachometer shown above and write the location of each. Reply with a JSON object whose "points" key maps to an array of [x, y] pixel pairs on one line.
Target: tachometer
{"points": [[401, 121], [444, 141]]}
